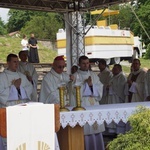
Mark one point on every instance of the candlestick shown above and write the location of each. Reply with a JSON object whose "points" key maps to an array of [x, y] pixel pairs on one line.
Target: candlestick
{"points": [[61, 96], [78, 99]]}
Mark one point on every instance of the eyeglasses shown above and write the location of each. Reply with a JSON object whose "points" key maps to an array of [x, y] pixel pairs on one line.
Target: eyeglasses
{"points": [[61, 67]]}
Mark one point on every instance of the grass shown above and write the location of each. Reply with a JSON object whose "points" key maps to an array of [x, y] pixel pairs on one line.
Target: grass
{"points": [[12, 45], [145, 64]]}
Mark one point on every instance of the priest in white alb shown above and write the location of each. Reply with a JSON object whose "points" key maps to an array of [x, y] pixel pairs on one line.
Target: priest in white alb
{"points": [[105, 75], [136, 83], [14, 87], [116, 94], [55, 78], [14, 84], [147, 85], [91, 94], [116, 86], [29, 71]]}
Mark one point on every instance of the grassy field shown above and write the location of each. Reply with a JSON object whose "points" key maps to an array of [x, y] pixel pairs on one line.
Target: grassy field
{"points": [[12, 45], [145, 64]]}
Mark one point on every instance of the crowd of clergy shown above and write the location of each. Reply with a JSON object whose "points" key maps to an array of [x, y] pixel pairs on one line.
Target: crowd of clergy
{"points": [[18, 84]]}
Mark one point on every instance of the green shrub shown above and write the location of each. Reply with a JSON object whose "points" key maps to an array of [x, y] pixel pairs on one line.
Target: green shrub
{"points": [[147, 54], [138, 138]]}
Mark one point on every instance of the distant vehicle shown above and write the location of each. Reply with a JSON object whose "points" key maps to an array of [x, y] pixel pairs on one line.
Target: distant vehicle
{"points": [[101, 42], [139, 49]]}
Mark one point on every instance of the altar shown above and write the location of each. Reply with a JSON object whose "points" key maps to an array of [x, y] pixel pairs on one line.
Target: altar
{"points": [[26, 128], [71, 135]]}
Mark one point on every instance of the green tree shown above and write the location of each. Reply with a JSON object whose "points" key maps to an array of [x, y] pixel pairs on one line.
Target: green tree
{"points": [[18, 18], [127, 19], [2, 27], [140, 2], [124, 19], [147, 55], [44, 27], [143, 14]]}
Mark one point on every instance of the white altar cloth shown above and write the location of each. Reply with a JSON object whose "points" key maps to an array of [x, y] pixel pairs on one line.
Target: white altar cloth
{"points": [[101, 113]]}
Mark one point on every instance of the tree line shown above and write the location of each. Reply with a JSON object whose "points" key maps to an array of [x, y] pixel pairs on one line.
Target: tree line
{"points": [[45, 24]]}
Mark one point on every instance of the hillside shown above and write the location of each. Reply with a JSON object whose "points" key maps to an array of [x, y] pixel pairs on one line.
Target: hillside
{"points": [[12, 45]]}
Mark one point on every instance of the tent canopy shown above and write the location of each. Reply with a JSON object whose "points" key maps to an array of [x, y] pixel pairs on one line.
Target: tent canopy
{"points": [[107, 12], [59, 5]]}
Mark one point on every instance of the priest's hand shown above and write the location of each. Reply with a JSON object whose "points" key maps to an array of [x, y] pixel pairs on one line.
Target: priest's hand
{"points": [[89, 81], [107, 87], [129, 82], [148, 98], [29, 78], [72, 78], [17, 83]]}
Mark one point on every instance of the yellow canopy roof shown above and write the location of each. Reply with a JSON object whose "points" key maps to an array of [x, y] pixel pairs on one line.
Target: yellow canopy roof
{"points": [[107, 12]]}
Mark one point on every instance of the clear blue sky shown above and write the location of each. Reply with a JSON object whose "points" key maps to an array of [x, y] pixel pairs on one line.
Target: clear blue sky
{"points": [[4, 14]]}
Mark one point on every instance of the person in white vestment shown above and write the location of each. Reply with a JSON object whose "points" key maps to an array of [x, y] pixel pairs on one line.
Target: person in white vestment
{"points": [[14, 87], [147, 85], [116, 94], [136, 83], [55, 78], [116, 86], [105, 75], [74, 69], [91, 94], [29, 71], [24, 43]]}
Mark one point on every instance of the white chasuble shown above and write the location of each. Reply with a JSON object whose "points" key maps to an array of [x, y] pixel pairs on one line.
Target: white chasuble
{"points": [[116, 89], [147, 84], [9, 92], [96, 94], [105, 76], [89, 97], [29, 70], [50, 86], [138, 89]]}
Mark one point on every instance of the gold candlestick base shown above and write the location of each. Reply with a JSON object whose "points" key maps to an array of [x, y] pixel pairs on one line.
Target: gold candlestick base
{"points": [[78, 100], [64, 109], [62, 103], [78, 108]]}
